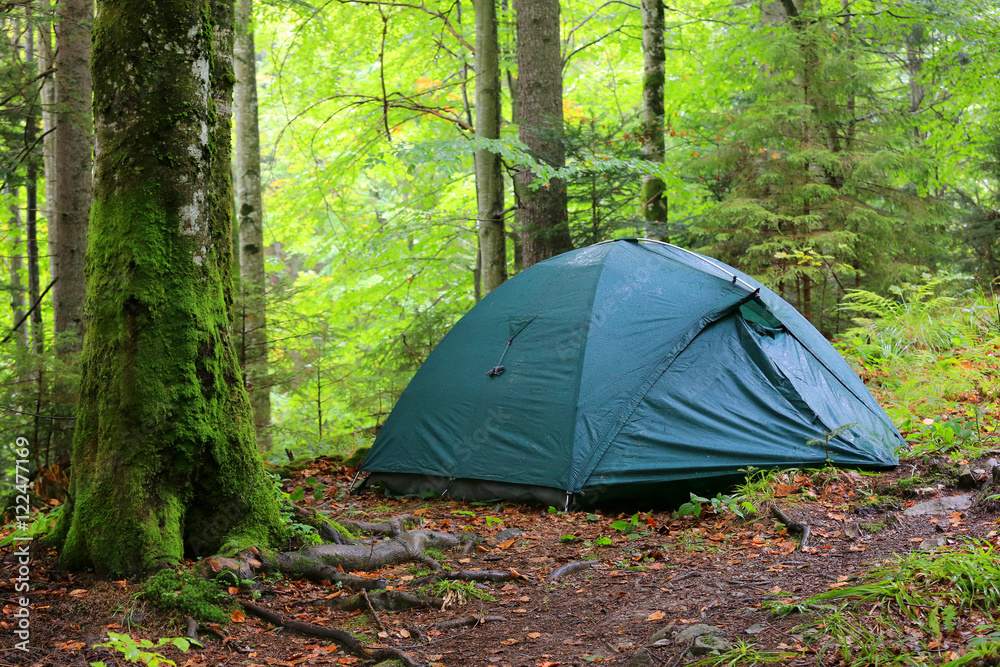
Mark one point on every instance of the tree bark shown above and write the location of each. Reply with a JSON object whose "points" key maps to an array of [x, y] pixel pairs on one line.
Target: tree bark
{"points": [[164, 459], [654, 198], [73, 139], [15, 268], [70, 204], [542, 213], [250, 215], [31, 194], [489, 176]]}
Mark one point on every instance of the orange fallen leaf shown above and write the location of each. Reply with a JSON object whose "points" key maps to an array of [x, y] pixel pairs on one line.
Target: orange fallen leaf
{"points": [[238, 617], [656, 616], [78, 593], [534, 635], [506, 543], [233, 590]]}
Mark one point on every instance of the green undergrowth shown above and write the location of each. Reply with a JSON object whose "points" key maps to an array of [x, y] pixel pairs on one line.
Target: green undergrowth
{"points": [[180, 592], [936, 608], [929, 352]]}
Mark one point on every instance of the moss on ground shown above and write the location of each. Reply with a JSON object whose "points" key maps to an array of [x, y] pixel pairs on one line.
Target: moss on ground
{"points": [[357, 458], [182, 593]]}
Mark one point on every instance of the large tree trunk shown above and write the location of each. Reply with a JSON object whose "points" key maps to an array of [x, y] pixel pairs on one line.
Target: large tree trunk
{"points": [[164, 460], [654, 198], [542, 214], [489, 176], [68, 225], [250, 216]]}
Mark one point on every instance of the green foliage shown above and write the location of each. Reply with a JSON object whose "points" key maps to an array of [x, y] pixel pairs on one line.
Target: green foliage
{"points": [[629, 526], [180, 592], [456, 593], [720, 504], [133, 650], [915, 595]]}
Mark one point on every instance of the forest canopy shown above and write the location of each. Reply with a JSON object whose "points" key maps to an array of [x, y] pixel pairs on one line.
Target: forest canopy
{"points": [[821, 146]]}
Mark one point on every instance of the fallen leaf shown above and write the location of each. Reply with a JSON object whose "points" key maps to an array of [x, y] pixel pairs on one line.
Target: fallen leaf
{"points": [[233, 590], [70, 645], [656, 616], [506, 544], [404, 633], [78, 593], [238, 617], [508, 642], [534, 635]]}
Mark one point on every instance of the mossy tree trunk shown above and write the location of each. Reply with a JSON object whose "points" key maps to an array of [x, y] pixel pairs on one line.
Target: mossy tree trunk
{"points": [[164, 460], [489, 174]]}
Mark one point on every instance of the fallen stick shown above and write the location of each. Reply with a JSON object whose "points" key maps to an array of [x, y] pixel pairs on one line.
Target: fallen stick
{"points": [[793, 527], [382, 601], [468, 622], [466, 575], [342, 638], [572, 568]]}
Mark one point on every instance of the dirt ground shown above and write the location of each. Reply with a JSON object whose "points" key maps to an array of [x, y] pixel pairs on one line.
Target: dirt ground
{"points": [[716, 569]]}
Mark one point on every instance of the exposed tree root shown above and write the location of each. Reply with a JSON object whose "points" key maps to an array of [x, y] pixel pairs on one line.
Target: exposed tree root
{"points": [[381, 601], [468, 622], [327, 529], [793, 527], [342, 638], [572, 568], [334, 562], [406, 547], [392, 527], [467, 575], [192, 632]]}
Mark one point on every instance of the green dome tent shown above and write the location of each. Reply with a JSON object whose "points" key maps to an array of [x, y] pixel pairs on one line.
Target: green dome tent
{"points": [[626, 370]]}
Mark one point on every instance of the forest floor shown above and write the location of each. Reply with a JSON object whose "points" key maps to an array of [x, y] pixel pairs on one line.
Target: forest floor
{"points": [[659, 572]]}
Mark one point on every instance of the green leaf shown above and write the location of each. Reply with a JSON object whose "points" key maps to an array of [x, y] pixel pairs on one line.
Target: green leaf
{"points": [[298, 494]]}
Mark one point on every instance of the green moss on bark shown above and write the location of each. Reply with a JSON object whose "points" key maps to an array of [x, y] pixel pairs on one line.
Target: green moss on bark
{"points": [[164, 462]]}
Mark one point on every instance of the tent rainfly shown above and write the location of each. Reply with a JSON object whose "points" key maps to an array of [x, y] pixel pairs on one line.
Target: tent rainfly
{"points": [[629, 370]]}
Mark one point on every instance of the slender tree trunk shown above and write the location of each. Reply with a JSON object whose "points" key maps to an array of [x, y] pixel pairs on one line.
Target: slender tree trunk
{"points": [[164, 461], [489, 175], [45, 62], [74, 140], [654, 198], [31, 195], [542, 214], [70, 210], [250, 212], [15, 268]]}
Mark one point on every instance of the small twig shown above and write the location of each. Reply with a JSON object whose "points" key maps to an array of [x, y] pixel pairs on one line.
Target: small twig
{"points": [[682, 577], [793, 526], [378, 621], [33, 306]]}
